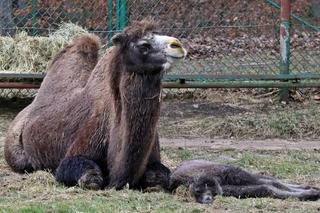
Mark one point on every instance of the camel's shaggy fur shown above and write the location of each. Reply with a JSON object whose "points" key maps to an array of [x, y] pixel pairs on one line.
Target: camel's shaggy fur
{"points": [[94, 123]]}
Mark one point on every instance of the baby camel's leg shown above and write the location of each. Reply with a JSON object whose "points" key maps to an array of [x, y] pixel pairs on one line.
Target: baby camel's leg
{"points": [[255, 191], [299, 187], [284, 186]]}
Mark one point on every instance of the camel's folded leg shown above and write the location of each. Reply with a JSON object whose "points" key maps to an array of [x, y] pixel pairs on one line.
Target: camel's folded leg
{"points": [[16, 157], [255, 191], [156, 174], [80, 170], [14, 152]]}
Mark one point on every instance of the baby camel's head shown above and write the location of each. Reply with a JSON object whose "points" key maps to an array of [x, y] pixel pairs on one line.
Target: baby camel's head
{"points": [[204, 189]]}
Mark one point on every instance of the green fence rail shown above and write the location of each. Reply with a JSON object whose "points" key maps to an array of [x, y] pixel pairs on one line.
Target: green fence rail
{"points": [[231, 43]]}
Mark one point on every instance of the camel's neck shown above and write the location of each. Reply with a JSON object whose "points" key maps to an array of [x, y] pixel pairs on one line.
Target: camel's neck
{"points": [[139, 94], [134, 101], [138, 115], [140, 106]]}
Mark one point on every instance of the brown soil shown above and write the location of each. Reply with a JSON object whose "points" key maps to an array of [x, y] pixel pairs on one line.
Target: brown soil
{"points": [[189, 109], [230, 144]]}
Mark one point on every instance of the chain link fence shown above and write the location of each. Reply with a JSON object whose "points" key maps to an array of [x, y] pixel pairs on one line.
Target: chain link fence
{"points": [[222, 37], [232, 43], [40, 17]]}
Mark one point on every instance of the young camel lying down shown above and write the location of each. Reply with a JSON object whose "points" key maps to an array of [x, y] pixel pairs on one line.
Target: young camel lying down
{"points": [[206, 179]]}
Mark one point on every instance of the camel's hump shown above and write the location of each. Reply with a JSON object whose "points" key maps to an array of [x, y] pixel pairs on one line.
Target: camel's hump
{"points": [[87, 43]]}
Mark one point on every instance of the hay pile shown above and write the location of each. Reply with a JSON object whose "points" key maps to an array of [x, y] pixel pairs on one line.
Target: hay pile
{"points": [[24, 53]]}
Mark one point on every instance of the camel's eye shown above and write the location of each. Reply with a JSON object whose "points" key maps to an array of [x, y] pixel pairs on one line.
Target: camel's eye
{"points": [[145, 47], [197, 190]]}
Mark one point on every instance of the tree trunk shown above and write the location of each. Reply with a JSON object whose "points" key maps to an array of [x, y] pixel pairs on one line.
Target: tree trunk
{"points": [[315, 4], [6, 21]]}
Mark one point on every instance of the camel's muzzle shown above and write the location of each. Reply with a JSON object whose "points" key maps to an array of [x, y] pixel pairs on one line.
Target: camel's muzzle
{"points": [[175, 50]]}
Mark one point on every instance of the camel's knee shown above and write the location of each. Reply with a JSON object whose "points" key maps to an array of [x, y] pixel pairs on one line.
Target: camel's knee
{"points": [[156, 174], [80, 170]]}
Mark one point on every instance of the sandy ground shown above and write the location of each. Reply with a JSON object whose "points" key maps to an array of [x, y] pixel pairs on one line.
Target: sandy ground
{"points": [[229, 144]]}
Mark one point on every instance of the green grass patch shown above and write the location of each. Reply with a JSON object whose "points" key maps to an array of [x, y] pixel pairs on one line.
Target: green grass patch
{"points": [[287, 123], [39, 192]]}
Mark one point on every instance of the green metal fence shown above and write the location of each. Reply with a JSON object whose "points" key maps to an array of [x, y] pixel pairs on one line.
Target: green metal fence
{"points": [[231, 43]]}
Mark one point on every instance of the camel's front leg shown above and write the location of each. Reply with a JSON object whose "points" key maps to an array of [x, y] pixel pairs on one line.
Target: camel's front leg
{"points": [[127, 159], [156, 173], [80, 170]]}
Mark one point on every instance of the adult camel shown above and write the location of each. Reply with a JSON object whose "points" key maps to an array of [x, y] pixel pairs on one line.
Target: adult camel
{"points": [[94, 123]]}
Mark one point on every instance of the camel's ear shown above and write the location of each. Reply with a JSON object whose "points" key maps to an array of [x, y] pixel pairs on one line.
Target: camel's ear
{"points": [[119, 38], [191, 186]]}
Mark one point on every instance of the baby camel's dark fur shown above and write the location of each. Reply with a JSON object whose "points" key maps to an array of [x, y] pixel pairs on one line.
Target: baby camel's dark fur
{"points": [[207, 179]]}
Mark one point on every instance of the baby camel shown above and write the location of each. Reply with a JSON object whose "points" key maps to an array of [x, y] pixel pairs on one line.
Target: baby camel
{"points": [[207, 179]]}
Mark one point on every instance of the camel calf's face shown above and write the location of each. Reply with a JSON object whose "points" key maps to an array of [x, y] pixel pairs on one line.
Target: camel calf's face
{"points": [[205, 189], [151, 54]]}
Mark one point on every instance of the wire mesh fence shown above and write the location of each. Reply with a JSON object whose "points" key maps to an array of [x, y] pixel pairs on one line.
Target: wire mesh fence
{"points": [[40, 17], [221, 37], [305, 38], [9, 94], [228, 41]]}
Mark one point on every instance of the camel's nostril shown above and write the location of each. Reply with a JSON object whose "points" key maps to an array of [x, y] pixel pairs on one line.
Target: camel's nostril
{"points": [[207, 199], [174, 49], [175, 45]]}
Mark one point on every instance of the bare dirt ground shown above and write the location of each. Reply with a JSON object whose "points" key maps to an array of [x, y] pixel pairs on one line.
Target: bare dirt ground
{"points": [[233, 144]]}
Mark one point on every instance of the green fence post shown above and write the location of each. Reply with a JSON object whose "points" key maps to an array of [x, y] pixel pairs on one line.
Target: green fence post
{"points": [[285, 44], [122, 18], [295, 17], [118, 6], [109, 21], [34, 11]]}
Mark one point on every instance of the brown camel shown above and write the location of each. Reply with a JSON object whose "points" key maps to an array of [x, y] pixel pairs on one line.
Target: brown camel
{"points": [[94, 124]]}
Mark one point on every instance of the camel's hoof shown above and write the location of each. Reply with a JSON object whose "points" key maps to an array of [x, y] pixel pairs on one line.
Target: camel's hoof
{"points": [[311, 195], [119, 184], [303, 186], [92, 179]]}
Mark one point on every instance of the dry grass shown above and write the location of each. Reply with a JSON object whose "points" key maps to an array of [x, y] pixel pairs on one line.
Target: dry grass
{"points": [[24, 53], [249, 114], [39, 192]]}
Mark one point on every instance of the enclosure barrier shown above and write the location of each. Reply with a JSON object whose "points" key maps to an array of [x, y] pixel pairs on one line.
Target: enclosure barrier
{"points": [[232, 44]]}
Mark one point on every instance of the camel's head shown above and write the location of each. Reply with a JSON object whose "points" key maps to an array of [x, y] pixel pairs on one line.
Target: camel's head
{"points": [[146, 51], [204, 189]]}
